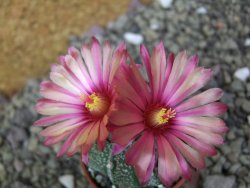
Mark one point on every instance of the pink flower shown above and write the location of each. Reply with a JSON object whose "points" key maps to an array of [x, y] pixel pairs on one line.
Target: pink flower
{"points": [[163, 121], [80, 97]]}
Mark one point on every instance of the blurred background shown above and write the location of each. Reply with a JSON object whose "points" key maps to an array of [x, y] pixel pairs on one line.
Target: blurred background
{"points": [[34, 33]]}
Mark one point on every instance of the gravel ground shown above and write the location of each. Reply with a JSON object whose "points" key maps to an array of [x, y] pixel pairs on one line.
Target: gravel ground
{"points": [[218, 31]]}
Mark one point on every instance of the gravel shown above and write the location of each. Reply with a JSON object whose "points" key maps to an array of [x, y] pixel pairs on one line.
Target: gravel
{"points": [[218, 37]]}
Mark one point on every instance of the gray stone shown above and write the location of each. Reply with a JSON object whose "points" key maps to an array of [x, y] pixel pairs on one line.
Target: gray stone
{"points": [[246, 106], [245, 160], [248, 119], [220, 181], [236, 145], [16, 135], [19, 184], [18, 165], [237, 86], [248, 87], [242, 171], [2, 172], [233, 169]]}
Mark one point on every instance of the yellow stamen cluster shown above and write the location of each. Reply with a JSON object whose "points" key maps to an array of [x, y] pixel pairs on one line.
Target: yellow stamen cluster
{"points": [[93, 102], [97, 104], [161, 116]]}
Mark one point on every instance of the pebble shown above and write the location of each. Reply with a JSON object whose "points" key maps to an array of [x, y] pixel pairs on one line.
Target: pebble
{"points": [[16, 135], [219, 181], [2, 172], [246, 106], [245, 160], [18, 165], [248, 119], [247, 42], [67, 180], [201, 10], [165, 3], [242, 73], [133, 38]]}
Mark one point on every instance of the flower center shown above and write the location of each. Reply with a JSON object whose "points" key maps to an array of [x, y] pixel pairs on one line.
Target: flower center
{"points": [[97, 104], [157, 117]]}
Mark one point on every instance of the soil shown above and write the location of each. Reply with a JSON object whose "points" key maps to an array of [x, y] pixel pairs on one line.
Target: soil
{"points": [[34, 33]]}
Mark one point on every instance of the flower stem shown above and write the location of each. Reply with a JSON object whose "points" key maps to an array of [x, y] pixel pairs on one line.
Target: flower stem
{"points": [[87, 175], [180, 183]]}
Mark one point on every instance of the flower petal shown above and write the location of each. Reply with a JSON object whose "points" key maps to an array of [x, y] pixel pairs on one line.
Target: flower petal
{"points": [[61, 127], [206, 137], [212, 109], [205, 97], [122, 135], [192, 156], [140, 155], [213, 124], [168, 166], [49, 107], [46, 121], [51, 91], [202, 147], [196, 80]]}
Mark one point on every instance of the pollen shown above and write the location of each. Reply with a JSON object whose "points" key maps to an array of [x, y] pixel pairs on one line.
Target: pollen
{"points": [[97, 104], [160, 117]]}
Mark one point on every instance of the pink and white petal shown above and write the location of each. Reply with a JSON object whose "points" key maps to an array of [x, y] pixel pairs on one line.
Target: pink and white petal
{"points": [[134, 79], [193, 83], [177, 70], [68, 74], [128, 106], [63, 82], [61, 127], [157, 65], [46, 121], [89, 137], [122, 135], [189, 68], [103, 133], [163, 63], [212, 109], [168, 166], [121, 118], [55, 139], [78, 58], [106, 59], [202, 147], [89, 62], [97, 58], [192, 156], [73, 66], [140, 156], [214, 124], [49, 107], [147, 63], [139, 83], [170, 61], [206, 137], [184, 166], [69, 141], [119, 57], [205, 97], [51, 91], [80, 139], [125, 90], [149, 170]]}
